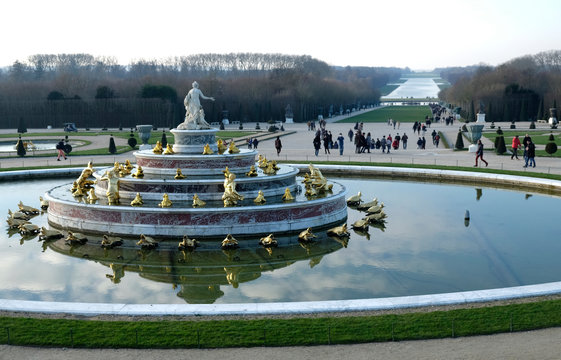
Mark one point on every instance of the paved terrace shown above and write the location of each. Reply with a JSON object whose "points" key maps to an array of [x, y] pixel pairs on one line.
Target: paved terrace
{"points": [[297, 146]]}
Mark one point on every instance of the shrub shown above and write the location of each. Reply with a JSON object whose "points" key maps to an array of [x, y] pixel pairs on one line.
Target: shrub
{"points": [[499, 131], [532, 125], [132, 140], [55, 95], [163, 92], [257, 127], [221, 126], [464, 127], [492, 125], [240, 127], [112, 147], [551, 138], [164, 139], [20, 147], [21, 126], [512, 125], [103, 92], [459, 141], [273, 128], [551, 148], [500, 146]]}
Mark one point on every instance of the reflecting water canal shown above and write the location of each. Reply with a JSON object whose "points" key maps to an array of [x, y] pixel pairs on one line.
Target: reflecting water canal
{"points": [[418, 88]]}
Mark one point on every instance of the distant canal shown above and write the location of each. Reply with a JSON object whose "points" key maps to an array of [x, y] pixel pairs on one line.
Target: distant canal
{"points": [[418, 88]]}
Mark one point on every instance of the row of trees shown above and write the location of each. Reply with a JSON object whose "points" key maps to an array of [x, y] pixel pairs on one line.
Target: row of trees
{"points": [[49, 89], [521, 89]]}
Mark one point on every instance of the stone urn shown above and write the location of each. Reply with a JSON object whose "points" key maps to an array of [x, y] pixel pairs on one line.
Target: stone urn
{"points": [[473, 134], [144, 133]]}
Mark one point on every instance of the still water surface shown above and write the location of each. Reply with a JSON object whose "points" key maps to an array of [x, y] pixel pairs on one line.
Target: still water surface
{"points": [[424, 248], [418, 88]]}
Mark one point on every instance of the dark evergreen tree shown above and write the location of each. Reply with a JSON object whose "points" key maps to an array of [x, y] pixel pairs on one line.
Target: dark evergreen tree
{"points": [[132, 140], [20, 147], [459, 141], [103, 92], [500, 146], [112, 147], [540, 114], [523, 112], [21, 126], [551, 146], [471, 115], [55, 95], [507, 112], [164, 140], [163, 92]]}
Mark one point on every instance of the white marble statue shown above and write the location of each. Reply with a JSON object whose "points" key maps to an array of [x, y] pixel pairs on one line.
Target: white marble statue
{"points": [[194, 115]]}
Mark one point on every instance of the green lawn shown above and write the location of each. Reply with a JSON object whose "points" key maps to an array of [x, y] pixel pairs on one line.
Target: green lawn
{"points": [[279, 332], [538, 138], [398, 113], [421, 75], [387, 89]]}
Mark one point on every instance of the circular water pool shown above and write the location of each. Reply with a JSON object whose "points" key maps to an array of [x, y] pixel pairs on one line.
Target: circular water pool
{"points": [[36, 145], [425, 247]]}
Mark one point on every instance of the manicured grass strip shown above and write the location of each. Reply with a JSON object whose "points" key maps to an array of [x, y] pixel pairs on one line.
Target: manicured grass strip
{"points": [[387, 89], [279, 332], [435, 167], [536, 139], [398, 113]]}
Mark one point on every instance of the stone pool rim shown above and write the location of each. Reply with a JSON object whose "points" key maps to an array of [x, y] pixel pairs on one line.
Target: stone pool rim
{"points": [[374, 304]]}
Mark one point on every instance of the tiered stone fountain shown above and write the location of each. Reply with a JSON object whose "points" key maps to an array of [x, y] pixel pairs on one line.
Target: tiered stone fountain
{"points": [[204, 177]]}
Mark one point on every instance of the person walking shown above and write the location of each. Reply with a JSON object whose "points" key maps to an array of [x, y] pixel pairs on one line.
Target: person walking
{"points": [[515, 146], [479, 153], [367, 143], [317, 143], [530, 154], [350, 134], [404, 141], [60, 149], [326, 143], [389, 143], [278, 145], [341, 143]]}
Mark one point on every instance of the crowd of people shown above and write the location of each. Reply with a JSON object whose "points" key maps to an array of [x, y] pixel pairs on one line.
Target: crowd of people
{"points": [[365, 142]]}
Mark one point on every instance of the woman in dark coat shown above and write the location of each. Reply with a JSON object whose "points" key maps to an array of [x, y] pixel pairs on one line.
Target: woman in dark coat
{"points": [[317, 143]]}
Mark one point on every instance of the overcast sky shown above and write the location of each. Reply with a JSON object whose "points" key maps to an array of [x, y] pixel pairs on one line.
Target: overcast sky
{"points": [[420, 34]]}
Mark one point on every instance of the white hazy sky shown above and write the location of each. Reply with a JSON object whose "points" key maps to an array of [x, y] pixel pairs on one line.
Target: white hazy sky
{"points": [[420, 34]]}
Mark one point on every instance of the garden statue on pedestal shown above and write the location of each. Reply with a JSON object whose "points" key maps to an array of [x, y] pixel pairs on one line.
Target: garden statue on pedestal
{"points": [[194, 115]]}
